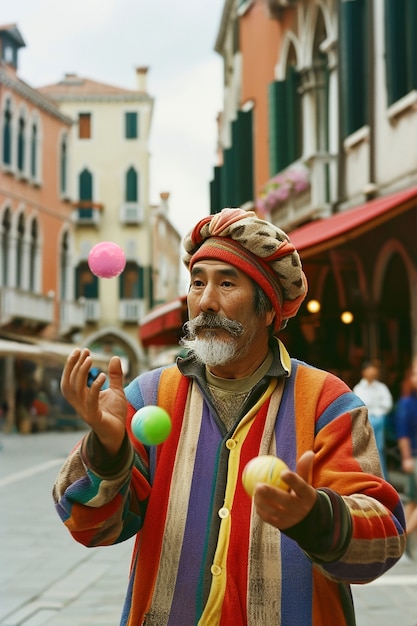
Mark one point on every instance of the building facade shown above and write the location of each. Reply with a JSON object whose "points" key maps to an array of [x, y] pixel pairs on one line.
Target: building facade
{"points": [[109, 187], [317, 134], [37, 303]]}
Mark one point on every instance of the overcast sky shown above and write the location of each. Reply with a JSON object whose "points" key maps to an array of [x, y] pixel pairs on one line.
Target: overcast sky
{"points": [[105, 40]]}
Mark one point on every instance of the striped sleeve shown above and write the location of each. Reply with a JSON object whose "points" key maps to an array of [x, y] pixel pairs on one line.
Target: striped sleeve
{"points": [[347, 464]]}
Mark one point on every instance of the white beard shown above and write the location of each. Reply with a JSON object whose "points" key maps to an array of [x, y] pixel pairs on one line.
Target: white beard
{"points": [[210, 350]]}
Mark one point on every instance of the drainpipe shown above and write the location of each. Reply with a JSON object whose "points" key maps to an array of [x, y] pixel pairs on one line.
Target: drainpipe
{"points": [[341, 162], [371, 99]]}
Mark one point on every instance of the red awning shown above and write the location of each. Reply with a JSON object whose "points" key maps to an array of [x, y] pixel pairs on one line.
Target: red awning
{"points": [[322, 234], [162, 326]]}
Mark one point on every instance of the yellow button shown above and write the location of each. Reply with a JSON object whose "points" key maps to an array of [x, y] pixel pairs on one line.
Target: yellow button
{"points": [[231, 443], [223, 512], [216, 570]]}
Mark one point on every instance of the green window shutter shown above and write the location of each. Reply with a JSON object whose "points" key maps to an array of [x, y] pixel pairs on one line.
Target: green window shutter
{"points": [[396, 56], [245, 156], [278, 126], [411, 27], [236, 156], [228, 178], [34, 152], [131, 125], [63, 167], [131, 191], [85, 186], [215, 191], [21, 145], [86, 283], [354, 61], [294, 115]]}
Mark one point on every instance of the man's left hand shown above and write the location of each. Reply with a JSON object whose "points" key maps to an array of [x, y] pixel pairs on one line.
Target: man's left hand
{"points": [[284, 509]]}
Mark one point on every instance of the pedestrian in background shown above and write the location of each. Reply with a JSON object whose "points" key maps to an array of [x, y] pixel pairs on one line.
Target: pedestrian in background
{"points": [[206, 553], [406, 429], [378, 399]]}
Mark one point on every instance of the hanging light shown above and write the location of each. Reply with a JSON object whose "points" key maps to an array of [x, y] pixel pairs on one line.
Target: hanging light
{"points": [[313, 306], [347, 317]]}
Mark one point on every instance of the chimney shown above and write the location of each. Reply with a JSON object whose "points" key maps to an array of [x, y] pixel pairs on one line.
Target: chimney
{"points": [[141, 78], [163, 206]]}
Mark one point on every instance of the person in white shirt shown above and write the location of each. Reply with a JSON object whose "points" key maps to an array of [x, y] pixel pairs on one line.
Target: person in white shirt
{"points": [[378, 399]]}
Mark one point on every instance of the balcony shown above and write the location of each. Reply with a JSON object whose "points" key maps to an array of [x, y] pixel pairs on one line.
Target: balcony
{"points": [[131, 213], [25, 305], [92, 310], [300, 193], [72, 316], [131, 310], [87, 213]]}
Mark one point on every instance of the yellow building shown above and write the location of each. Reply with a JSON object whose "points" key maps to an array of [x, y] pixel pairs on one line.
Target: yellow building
{"points": [[109, 185]]}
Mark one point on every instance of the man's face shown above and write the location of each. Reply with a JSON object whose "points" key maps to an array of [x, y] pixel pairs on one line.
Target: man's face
{"points": [[223, 326], [370, 373]]}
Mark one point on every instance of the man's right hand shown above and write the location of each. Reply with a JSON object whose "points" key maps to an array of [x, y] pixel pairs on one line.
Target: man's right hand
{"points": [[103, 410]]}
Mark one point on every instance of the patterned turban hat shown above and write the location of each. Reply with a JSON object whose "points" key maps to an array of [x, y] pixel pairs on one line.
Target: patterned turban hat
{"points": [[258, 248]]}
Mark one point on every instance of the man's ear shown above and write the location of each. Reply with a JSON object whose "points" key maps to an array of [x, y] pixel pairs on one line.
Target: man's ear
{"points": [[269, 317]]}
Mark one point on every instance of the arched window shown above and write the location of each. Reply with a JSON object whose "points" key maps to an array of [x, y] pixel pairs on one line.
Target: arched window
{"points": [[7, 134], [401, 47], [63, 165], [63, 267], [285, 117], [85, 194], [6, 225], [131, 282], [354, 64], [86, 284], [21, 143], [321, 84], [131, 192], [34, 139], [33, 255], [20, 251]]}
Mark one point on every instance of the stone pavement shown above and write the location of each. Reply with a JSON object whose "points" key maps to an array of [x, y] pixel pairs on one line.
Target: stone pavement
{"points": [[46, 578]]}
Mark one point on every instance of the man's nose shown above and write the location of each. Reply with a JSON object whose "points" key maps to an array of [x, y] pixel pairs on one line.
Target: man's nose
{"points": [[209, 301]]}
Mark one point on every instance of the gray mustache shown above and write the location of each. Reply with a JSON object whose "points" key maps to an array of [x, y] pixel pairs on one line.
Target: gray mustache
{"points": [[208, 320]]}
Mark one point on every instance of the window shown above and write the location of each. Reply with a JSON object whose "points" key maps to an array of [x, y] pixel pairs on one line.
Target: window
{"points": [[5, 235], [7, 134], [85, 194], [131, 282], [401, 47], [33, 255], [20, 251], [64, 267], [131, 191], [235, 181], [21, 144], [285, 122], [86, 284], [34, 151], [84, 125], [131, 125], [354, 80], [63, 165]]}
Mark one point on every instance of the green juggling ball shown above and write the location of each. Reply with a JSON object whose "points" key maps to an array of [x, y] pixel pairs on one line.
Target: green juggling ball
{"points": [[151, 425]]}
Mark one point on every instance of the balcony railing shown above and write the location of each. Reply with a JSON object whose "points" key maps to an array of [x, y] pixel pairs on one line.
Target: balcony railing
{"points": [[92, 310], [71, 316], [131, 213], [131, 310], [26, 305], [87, 213], [312, 201]]}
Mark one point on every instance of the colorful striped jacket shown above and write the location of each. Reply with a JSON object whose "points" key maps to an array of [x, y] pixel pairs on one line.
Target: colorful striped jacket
{"points": [[202, 555]]}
